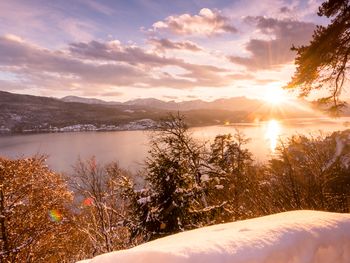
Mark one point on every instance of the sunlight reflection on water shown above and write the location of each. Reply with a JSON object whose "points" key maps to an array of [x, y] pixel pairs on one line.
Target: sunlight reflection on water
{"points": [[130, 148], [272, 133]]}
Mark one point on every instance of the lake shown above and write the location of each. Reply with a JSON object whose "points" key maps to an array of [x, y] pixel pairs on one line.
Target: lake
{"points": [[130, 148]]}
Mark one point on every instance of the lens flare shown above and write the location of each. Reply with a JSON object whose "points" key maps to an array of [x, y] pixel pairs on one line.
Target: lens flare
{"points": [[88, 201], [55, 215]]}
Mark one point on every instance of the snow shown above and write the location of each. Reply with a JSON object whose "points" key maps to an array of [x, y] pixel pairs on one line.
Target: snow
{"points": [[338, 150], [144, 200], [290, 237]]}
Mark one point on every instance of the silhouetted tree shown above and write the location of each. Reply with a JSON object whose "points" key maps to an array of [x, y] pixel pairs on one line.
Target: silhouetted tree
{"points": [[324, 63], [311, 173]]}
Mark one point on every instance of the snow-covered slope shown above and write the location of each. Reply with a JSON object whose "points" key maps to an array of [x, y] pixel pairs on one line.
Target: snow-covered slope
{"points": [[291, 237]]}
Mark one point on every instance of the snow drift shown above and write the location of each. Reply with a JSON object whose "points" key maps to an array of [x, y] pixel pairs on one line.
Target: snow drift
{"points": [[291, 237]]}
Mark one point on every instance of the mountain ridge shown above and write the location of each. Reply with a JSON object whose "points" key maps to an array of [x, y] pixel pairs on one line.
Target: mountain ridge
{"points": [[233, 103], [28, 113]]}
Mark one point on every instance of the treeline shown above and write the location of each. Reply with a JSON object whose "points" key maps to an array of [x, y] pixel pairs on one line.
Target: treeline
{"points": [[186, 184]]}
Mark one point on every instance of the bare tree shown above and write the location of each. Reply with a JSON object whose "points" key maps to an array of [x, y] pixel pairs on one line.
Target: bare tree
{"points": [[101, 208]]}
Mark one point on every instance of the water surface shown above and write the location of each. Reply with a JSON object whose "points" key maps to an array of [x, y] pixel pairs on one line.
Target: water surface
{"points": [[130, 148]]}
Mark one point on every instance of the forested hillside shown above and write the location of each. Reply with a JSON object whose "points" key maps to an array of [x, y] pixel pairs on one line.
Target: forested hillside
{"points": [[25, 113]]}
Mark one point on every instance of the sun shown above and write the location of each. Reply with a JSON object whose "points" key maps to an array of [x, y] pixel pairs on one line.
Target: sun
{"points": [[275, 96]]}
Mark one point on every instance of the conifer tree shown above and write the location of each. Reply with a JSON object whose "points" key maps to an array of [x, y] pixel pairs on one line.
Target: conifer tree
{"points": [[230, 175], [324, 63], [175, 198]]}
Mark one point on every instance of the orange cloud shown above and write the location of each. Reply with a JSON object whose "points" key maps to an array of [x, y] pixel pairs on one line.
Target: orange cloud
{"points": [[206, 23], [164, 43]]}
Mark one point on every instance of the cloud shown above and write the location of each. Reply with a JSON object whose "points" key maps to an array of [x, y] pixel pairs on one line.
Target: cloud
{"points": [[196, 74], [31, 60], [274, 52], [96, 64], [115, 51], [164, 44], [11, 85], [285, 9], [111, 94], [99, 7], [171, 97], [47, 23], [206, 23], [78, 30], [264, 81], [14, 38]]}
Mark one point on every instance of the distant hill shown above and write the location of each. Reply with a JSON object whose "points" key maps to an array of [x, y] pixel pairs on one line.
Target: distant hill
{"points": [[233, 104], [151, 102], [26, 113], [88, 100], [254, 109]]}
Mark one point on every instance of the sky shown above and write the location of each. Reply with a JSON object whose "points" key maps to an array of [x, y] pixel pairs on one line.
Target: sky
{"points": [[171, 50]]}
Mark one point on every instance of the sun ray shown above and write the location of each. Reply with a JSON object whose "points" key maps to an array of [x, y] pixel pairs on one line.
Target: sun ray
{"points": [[275, 96]]}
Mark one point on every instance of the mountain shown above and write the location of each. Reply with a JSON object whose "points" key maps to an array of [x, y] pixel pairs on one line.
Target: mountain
{"points": [[26, 113], [235, 104], [19, 113], [255, 109], [152, 103], [88, 100]]}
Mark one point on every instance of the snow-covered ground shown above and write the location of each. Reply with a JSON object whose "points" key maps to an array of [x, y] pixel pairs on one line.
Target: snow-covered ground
{"points": [[291, 237]]}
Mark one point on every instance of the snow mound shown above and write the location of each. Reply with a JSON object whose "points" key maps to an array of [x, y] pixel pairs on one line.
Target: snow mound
{"points": [[290, 237]]}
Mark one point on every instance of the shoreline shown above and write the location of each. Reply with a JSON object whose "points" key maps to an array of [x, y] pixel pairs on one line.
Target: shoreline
{"points": [[146, 125]]}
